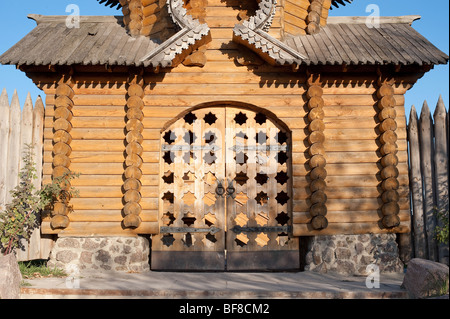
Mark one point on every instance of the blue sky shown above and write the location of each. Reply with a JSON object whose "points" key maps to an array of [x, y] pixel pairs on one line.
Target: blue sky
{"points": [[434, 25]]}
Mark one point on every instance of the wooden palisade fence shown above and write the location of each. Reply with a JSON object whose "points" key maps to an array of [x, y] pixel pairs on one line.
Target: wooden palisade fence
{"points": [[19, 127], [429, 178]]}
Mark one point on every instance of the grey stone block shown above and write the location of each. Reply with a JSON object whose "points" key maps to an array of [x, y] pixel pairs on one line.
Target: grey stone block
{"points": [[10, 277], [426, 278]]}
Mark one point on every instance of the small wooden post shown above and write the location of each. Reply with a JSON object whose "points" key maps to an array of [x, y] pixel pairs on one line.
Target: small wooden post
{"points": [[441, 168], [426, 156], [4, 134], [415, 182]]}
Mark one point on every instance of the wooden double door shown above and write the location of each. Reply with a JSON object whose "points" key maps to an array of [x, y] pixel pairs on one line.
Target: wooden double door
{"points": [[225, 193]]}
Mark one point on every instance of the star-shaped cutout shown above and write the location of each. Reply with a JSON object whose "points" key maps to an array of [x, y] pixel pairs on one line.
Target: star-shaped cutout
{"points": [[169, 137], [260, 118], [169, 157], [262, 198], [168, 177], [168, 196], [261, 137], [261, 178], [190, 118], [281, 157], [282, 198], [281, 137], [210, 118], [189, 137], [282, 218], [241, 178], [240, 118], [282, 177]]}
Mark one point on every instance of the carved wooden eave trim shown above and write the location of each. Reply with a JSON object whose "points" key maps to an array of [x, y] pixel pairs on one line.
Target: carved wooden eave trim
{"points": [[191, 35], [252, 33]]}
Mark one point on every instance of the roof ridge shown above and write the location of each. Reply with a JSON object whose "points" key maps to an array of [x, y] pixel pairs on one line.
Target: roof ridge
{"points": [[409, 19], [39, 18]]}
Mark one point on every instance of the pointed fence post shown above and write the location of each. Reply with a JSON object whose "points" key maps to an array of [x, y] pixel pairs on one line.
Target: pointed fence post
{"points": [[37, 244], [441, 168], [26, 137], [426, 156], [38, 139], [4, 134], [26, 127], [12, 165], [415, 182]]}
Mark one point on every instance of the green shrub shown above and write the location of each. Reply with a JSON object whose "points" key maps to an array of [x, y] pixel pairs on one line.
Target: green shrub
{"points": [[19, 218], [441, 231]]}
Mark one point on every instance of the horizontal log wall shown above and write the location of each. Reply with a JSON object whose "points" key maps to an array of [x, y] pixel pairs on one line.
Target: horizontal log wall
{"points": [[351, 143], [98, 153], [353, 161]]}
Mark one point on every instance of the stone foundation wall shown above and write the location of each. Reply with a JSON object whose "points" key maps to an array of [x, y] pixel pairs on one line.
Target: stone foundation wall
{"points": [[127, 254], [344, 254], [351, 254]]}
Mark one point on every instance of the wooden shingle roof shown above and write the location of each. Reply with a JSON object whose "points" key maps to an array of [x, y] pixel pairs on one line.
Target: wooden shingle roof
{"points": [[100, 40], [350, 41], [104, 41]]}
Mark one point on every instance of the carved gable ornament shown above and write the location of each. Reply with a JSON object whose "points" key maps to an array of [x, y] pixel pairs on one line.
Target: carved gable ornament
{"points": [[192, 34], [251, 33]]}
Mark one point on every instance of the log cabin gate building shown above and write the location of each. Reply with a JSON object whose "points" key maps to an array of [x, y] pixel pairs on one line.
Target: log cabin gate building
{"points": [[226, 132]]}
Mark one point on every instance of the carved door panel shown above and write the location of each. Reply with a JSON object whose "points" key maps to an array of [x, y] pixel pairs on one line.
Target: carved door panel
{"points": [[225, 194], [258, 170], [192, 170]]}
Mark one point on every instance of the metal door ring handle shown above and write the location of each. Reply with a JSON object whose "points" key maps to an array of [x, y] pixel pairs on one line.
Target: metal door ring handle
{"points": [[230, 190], [219, 189]]}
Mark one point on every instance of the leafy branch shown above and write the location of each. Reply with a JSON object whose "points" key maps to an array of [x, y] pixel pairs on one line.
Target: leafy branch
{"points": [[441, 231], [19, 218]]}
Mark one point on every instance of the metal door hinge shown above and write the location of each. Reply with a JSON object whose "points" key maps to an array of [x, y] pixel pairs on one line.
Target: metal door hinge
{"points": [[262, 229], [166, 229]]}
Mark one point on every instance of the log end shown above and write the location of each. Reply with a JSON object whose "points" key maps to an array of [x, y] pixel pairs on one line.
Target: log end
{"points": [[59, 222], [319, 222], [131, 221]]}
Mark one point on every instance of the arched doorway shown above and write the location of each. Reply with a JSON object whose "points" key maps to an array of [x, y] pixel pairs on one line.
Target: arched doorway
{"points": [[225, 192]]}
